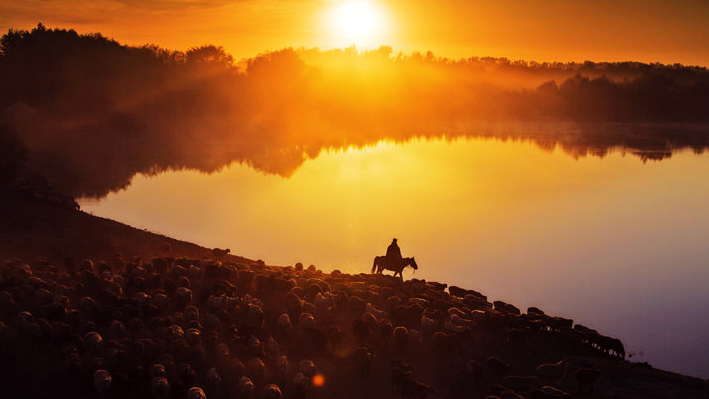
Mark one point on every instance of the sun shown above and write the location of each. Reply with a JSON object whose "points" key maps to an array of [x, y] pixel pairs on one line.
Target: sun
{"points": [[359, 22]]}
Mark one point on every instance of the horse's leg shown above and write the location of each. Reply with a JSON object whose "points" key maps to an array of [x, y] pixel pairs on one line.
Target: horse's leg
{"points": [[382, 265]]}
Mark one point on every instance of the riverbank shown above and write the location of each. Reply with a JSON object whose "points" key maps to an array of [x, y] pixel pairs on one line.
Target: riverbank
{"points": [[451, 334]]}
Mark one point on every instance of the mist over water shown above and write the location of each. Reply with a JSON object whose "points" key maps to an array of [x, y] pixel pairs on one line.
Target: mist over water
{"points": [[618, 242]]}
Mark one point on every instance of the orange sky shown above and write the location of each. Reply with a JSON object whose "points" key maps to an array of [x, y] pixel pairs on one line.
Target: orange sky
{"points": [[542, 30]]}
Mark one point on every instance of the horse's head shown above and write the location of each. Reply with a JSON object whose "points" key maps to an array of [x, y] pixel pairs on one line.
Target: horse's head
{"points": [[413, 264]]}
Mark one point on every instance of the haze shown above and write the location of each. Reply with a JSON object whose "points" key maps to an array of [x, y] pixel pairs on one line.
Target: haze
{"points": [[549, 30]]}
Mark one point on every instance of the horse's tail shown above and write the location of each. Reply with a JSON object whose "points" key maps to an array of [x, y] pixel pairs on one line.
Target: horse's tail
{"points": [[374, 265]]}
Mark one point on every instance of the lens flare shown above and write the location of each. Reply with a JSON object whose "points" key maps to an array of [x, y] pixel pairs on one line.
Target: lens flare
{"points": [[318, 380]]}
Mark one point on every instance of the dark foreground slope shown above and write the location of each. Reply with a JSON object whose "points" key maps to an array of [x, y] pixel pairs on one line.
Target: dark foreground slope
{"points": [[159, 326], [47, 224]]}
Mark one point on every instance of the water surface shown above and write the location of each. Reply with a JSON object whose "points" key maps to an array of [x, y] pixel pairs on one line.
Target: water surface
{"points": [[615, 242]]}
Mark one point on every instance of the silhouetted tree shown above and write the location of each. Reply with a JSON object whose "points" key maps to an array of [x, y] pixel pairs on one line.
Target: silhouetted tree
{"points": [[13, 155]]}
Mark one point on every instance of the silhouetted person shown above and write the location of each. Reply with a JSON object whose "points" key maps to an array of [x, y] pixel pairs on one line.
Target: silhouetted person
{"points": [[393, 252]]}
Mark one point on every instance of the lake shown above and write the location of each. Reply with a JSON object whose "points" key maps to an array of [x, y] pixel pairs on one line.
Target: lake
{"points": [[616, 242]]}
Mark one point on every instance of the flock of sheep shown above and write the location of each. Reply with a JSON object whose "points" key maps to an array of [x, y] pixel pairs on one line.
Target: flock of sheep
{"points": [[195, 329]]}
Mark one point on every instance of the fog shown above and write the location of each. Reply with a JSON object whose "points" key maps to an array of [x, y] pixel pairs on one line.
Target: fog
{"points": [[92, 113]]}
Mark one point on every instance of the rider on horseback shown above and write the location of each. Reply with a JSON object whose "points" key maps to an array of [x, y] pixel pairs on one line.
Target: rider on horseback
{"points": [[393, 261], [394, 253]]}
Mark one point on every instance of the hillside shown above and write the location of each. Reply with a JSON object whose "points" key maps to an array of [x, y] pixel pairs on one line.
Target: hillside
{"points": [[49, 225], [209, 323]]}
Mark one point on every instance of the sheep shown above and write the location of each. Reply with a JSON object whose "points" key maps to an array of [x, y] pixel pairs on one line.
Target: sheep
{"points": [[370, 320], [506, 308], [374, 311], [157, 370], [428, 327], [414, 338], [219, 254], [310, 308], [284, 324], [265, 284], [455, 310], [306, 321], [535, 311], [256, 316], [215, 302], [548, 392], [361, 329], [419, 301], [325, 302], [256, 370], [186, 374], [336, 337], [307, 368], [272, 391], [508, 394], [191, 313], [496, 367], [569, 337], [273, 350], [196, 393], [221, 354], [407, 315], [282, 368], [438, 286], [93, 342], [413, 389], [193, 336], [475, 370], [587, 376], [614, 345], [254, 347], [204, 323], [357, 304], [318, 339], [385, 330], [102, 382], [477, 317], [235, 369], [160, 388], [520, 384], [245, 387], [552, 370], [363, 359], [556, 323], [457, 291], [442, 343], [518, 337], [457, 324], [212, 382], [301, 385], [195, 273], [397, 370]]}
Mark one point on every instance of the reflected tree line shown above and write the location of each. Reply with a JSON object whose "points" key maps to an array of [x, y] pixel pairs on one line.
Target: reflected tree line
{"points": [[89, 113]]}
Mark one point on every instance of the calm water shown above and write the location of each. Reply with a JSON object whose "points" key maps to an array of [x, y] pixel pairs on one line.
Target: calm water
{"points": [[614, 243]]}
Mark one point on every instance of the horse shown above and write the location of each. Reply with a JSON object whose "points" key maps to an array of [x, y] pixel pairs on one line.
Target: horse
{"points": [[384, 263]]}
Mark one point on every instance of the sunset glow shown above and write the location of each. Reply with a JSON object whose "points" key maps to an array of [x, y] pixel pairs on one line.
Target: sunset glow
{"points": [[359, 23], [550, 30], [216, 184]]}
